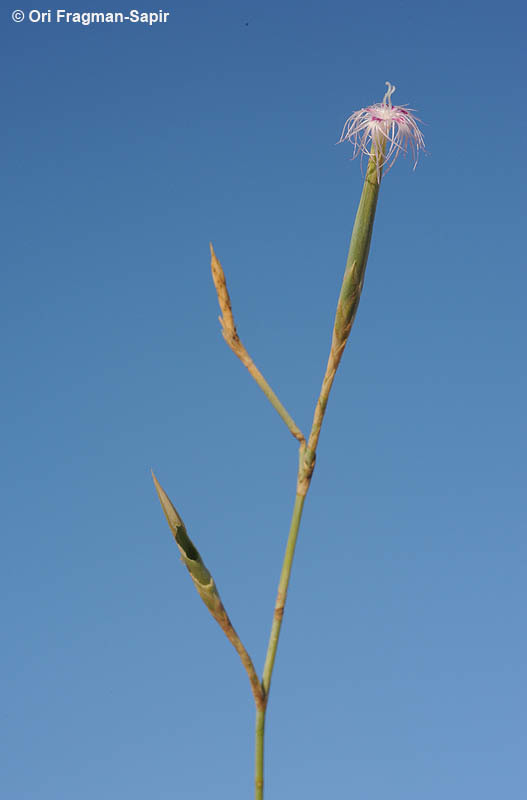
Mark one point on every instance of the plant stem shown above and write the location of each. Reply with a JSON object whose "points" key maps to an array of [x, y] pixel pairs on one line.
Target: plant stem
{"points": [[273, 642], [207, 589], [346, 309], [245, 658], [259, 755], [282, 593], [271, 396], [230, 334]]}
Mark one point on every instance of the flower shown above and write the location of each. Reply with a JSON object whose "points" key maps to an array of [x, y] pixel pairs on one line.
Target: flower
{"points": [[384, 131]]}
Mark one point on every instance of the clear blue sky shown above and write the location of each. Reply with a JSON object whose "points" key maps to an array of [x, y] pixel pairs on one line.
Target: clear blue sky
{"points": [[401, 670]]}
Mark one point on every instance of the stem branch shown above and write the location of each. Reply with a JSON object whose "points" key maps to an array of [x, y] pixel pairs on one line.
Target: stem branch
{"points": [[230, 334]]}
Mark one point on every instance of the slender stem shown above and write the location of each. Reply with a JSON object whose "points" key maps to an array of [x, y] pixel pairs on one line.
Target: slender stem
{"points": [[207, 589], [271, 396], [346, 309], [282, 593], [230, 334], [273, 642], [259, 755], [256, 687]]}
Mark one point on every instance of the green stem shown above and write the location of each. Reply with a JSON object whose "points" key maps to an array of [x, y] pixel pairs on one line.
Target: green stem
{"points": [[273, 399], [230, 334], [346, 310], [273, 642], [282, 593], [259, 755]]}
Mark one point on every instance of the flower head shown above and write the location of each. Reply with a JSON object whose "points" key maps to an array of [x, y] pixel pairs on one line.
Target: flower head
{"points": [[384, 131]]}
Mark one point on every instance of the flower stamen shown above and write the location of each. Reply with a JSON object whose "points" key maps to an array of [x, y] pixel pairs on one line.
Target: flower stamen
{"points": [[387, 99]]}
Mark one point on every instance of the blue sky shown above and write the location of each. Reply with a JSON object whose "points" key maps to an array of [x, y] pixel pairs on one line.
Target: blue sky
{"points": [[400, 672]]}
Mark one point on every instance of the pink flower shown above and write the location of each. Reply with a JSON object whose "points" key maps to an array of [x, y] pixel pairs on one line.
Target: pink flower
{"points": [[384, 131]]}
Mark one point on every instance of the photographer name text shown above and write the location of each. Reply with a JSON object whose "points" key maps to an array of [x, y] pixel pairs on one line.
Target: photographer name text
{"points": [[61, 15]]}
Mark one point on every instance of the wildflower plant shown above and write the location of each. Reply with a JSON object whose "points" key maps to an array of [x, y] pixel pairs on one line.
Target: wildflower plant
{"points": [[382, 132]]}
